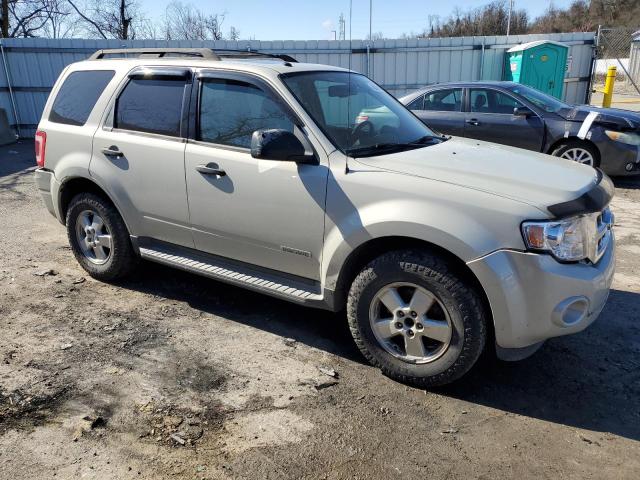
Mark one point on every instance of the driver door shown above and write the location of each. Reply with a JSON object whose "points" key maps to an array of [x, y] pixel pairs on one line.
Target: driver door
{"points": [[267, 213]]}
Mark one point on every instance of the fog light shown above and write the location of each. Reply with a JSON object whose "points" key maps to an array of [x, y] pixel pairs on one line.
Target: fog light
{"points": [[629, 167], [570, 311]]}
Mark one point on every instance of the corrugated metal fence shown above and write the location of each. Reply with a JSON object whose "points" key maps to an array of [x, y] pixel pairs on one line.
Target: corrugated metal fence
{"points": [[31, 66]]}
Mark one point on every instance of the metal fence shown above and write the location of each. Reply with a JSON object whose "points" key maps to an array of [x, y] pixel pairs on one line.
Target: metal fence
{"points": [[620, 48], [31, 66]]}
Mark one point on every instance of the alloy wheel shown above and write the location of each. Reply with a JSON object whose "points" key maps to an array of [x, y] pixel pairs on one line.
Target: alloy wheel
{"points": [[93, 237], [579, 155], [410, 322]]}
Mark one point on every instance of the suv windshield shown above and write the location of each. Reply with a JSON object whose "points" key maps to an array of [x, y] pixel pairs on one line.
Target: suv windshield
{"points": [[359, 117], [542, 100]]}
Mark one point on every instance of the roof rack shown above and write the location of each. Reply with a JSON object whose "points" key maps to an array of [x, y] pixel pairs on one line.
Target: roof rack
{"points": [[207, 53]]}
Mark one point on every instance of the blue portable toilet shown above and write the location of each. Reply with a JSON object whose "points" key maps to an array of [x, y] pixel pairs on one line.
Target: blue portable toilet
{"points": [[539, 64]]}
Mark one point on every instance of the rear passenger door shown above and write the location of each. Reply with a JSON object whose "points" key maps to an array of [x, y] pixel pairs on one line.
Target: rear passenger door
{"points": [[490, 118], [267, 213], [441, 110], [138, 154]]}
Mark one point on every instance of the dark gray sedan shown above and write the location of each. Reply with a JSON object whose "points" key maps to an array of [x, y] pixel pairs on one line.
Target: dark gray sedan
{"points": [[518, 115]]}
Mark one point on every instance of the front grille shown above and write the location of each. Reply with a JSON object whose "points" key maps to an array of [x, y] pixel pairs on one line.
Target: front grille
{"points": [[603, 223]]}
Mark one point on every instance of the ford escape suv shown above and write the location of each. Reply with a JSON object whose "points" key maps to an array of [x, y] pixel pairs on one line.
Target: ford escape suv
{"points": [[256, 170]]}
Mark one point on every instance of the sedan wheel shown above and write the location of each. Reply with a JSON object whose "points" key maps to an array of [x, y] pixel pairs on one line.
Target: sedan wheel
{"points": [[579, 155]]}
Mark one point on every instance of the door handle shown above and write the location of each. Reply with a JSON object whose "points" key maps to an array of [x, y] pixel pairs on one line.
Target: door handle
{"points": [[473, 122], [112, 151], [211, 169]]}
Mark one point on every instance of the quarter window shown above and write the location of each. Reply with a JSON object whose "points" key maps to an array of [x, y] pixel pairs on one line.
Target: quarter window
{"points": [[78, 95], [449, 100], [231, 110], [151, 105], [492, 101]]}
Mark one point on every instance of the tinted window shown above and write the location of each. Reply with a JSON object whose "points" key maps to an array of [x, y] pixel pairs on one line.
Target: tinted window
{"points": [[492, 101], [78, 95], [151, 105], [449, 100], [230, 111]]}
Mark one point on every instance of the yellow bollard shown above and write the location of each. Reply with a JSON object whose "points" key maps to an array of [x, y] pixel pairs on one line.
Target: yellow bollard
{"points": [[608, 87]]}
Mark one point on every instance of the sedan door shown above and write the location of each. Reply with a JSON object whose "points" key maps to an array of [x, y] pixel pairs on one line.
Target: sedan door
{"points": [[491, 118], [267, 213], [441, 110]]}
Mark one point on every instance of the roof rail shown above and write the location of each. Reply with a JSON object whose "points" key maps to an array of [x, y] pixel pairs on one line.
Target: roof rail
{"points": [[158, 52], [208, 53]]}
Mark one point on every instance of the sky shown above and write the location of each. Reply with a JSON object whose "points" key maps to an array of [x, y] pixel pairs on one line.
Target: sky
{"points": [[315, 19]]}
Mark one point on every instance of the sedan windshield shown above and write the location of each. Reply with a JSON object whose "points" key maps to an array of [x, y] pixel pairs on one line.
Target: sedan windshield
{"points": [[360, 118], [542, 100]]}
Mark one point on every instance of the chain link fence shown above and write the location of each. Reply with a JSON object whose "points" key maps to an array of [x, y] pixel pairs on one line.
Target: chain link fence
{"points": [[620, 48]]}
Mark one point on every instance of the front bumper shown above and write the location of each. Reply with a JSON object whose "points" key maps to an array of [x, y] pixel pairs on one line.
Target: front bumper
{"points": [[533, 297], [619, 159]]}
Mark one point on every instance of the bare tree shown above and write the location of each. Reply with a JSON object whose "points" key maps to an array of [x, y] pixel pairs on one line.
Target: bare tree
{"points": [[182, 21], [121, 19]]}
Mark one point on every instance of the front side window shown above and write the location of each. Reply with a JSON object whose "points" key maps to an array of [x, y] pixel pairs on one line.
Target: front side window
{"points": [[358, 116], [151, 105], [491, 101], [78, 95], [539, 99], [231, 110], [449, 100]]}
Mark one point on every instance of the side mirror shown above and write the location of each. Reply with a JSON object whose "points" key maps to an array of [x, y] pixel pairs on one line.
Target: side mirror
{"points": [[278, 144], [522, 112]]}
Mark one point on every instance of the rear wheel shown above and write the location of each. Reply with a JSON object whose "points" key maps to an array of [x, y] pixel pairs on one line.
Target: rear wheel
{"points": [[578, 151], [414, 317], [99, 238]]}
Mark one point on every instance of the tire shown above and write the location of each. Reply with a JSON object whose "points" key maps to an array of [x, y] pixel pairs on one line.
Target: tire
{"points": [[572, 149], [87, 210], [455, 300]]}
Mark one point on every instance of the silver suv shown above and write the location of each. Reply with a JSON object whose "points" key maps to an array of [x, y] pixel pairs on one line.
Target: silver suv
{"points": [[259, 171]]}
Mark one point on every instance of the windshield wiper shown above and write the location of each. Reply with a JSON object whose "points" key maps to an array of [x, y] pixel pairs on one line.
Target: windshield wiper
{"points": [[378, 148]]}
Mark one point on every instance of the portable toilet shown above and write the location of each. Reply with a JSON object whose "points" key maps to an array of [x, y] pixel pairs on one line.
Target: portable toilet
{"points": [[540, 65]]}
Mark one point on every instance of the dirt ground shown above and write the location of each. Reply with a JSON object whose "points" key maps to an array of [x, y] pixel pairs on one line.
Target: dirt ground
{"points": [[169, 375]]}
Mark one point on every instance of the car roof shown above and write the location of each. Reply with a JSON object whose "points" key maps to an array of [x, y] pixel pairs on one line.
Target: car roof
{"points": [[264, 66], [437, 86]]}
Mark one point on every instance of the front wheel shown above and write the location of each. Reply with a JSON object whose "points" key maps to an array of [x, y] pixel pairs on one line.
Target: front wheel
{"points": [[577, 151], [416, 318]]}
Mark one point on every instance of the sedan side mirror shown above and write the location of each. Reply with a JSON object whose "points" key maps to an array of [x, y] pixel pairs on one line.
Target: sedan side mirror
{"points": [[279, 144], [522, 112]]}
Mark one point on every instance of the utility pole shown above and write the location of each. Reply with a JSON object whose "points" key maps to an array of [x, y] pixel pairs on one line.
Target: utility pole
{"points": [[341, 27], [370, 20], [509, 18]]}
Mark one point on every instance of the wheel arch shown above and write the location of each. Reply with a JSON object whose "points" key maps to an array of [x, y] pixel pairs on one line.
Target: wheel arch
{"points": [[554, 146], [73, 186], [367, 251]]}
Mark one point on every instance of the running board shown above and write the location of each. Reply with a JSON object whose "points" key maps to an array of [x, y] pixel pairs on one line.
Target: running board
{"points": [[237, 274]]}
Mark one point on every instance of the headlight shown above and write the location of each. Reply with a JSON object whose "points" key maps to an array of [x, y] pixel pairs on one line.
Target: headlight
{"points": [[571, 239], [564, 239], [628, 138]]}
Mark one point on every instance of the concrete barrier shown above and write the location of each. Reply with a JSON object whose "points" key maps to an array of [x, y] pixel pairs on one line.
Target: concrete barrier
{"points": [[6, 132]]}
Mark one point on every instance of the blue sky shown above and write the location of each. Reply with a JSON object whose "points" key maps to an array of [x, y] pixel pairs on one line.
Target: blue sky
{"points": [[314, 20]]}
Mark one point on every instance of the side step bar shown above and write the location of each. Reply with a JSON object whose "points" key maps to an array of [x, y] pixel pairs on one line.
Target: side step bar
{"points": [[234, 273]]}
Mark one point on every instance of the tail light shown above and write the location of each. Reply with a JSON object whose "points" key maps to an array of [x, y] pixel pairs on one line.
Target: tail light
{"points": [[361, 118], [41, 143]]}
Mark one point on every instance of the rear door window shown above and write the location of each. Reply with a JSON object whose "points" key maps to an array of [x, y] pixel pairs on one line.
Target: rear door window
{"points": [[151, 105], [231, 110], [448, 100], [78, 95]]}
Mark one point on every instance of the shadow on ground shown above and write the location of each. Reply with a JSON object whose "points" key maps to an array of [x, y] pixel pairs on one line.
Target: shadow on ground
{"points": [[589, 381]]}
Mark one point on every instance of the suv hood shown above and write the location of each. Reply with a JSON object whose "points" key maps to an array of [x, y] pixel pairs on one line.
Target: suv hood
{"points": [[529, 177]]}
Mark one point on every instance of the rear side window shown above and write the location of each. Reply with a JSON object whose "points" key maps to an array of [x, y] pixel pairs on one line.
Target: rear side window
{"points": [[449, 100], [78, 95], [230, 111], [151, 105]]}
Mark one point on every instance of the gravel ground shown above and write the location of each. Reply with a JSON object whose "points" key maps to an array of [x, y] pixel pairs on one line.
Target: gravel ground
{"points": [[169, 375]]}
